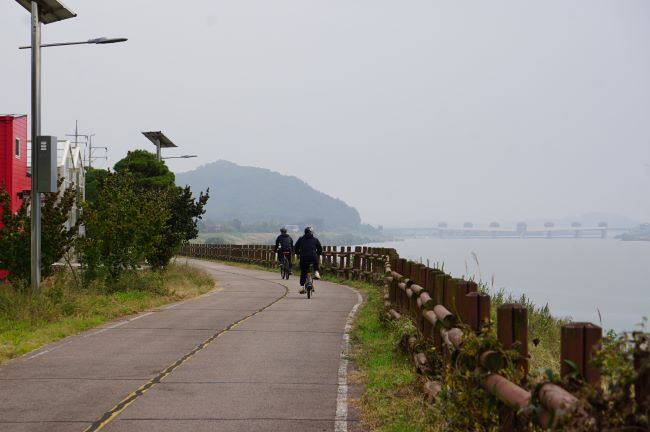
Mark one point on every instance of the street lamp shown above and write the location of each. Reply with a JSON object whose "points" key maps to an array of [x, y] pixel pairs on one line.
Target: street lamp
{"points": [[160, 141], [46, 12], [96, 41], [180, 157]]}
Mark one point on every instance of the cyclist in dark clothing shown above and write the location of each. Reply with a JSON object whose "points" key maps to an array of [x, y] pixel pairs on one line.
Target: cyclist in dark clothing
{"points": [[308, 248], [284, 243]]}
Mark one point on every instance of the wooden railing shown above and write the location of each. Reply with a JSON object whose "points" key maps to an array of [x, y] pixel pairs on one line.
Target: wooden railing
{"points": [[443, 308]]}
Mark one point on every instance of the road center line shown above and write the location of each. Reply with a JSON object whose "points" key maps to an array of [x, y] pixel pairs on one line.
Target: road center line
{"points": [[124, 403]]}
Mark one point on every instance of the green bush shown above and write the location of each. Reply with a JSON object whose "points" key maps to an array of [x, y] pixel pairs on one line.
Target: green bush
{"points": [[122, 227], [15, 234]]}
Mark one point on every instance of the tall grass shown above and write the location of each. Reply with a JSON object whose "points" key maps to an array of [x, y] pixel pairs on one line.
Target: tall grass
{"points": [[543, 328], [63, 308]]}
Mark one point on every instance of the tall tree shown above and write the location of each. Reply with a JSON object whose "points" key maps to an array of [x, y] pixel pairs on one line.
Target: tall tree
{"points": [[94, 182], [153, 176], [123, 226], [147, 170]]}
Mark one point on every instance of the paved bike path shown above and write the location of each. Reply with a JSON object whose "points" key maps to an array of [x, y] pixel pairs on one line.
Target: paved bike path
{"points": [[253, 355]]}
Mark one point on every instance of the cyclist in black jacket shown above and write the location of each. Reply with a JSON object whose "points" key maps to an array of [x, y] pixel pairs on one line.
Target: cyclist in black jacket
{"points": [[284, 243], [308, 248]]}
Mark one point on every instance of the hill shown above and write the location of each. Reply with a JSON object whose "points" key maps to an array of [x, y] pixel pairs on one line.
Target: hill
{"points": [[253, 195]]}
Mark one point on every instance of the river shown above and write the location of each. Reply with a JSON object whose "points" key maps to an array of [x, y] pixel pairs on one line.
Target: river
{"points": [[576, 277]]}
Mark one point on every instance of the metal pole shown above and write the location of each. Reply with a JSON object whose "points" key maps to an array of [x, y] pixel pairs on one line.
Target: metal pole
{"points": [[36, 131], [158, 152]]}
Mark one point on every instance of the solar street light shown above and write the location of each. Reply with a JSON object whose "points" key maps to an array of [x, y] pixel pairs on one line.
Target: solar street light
{"points": [[46, 12], [160, 141]]}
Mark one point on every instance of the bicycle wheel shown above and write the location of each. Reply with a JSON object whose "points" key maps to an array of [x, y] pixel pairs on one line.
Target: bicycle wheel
{"points": [[309, 285]]}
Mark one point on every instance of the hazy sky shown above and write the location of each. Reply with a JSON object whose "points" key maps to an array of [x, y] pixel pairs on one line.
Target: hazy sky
{"points": [[411, 111]]}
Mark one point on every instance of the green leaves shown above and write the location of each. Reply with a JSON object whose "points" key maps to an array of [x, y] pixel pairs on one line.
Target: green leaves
{"points": [[147, 171], [138, 215], [122, 227], [57, 234]]}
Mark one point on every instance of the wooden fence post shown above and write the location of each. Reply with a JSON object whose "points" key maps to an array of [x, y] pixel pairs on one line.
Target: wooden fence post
{"points": [[348, 266], [512, 330], [578, 342], [441, 280], [477, 310], [357, 262], [642, 367]]}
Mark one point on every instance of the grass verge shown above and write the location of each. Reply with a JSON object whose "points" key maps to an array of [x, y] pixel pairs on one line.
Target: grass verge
{"points": [[28, 322], [390, 401]]}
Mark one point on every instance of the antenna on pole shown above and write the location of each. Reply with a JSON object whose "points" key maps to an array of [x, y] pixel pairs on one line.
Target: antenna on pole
{"points": [[91, 157], [88, 141]]}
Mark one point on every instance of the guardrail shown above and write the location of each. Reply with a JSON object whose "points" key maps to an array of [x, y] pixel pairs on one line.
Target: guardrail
{"points": [[443, 308]]}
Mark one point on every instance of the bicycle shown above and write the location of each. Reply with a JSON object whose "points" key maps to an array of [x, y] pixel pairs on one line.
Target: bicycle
{"points": [[309, 282], [285, 272]]}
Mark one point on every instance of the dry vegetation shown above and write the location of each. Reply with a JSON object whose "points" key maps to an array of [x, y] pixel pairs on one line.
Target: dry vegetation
{"points": [[64, 308]]}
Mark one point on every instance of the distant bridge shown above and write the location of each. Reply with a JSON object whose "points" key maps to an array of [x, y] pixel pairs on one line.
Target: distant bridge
{"points": [[499, 232]]}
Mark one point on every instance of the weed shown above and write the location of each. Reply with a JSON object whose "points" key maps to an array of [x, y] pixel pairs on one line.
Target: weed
{"points": [[29, 321]]}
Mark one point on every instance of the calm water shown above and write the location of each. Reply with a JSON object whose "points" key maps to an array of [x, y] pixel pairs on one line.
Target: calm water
{"points": [[576, 277]]}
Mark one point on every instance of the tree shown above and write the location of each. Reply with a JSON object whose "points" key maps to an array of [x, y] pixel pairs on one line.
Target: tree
{"points": [[154, 177], [123, 226], [57, 237], [95, 179], [15, 233], [148, 172], [181, 225], [14, 240]]}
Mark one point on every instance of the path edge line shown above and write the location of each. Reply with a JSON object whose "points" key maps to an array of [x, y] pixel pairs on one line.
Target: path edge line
{"points": [[341, 419]]}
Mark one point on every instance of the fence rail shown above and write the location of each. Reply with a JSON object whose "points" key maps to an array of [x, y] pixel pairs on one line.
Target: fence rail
{"points": [[443, 308]]}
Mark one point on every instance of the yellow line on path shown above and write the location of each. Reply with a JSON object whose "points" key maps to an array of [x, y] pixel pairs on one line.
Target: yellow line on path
{"points": [[124, 403]]}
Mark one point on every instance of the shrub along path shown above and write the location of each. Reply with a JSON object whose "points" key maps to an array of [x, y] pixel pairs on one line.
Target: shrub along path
{"points": [[253, 355]]}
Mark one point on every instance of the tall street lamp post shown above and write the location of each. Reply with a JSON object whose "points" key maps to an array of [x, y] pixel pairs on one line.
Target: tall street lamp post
{"points": [[46, 12]]}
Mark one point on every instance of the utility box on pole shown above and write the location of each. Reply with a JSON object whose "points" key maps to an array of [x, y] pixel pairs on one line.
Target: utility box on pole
{"points": [[47, 158]]}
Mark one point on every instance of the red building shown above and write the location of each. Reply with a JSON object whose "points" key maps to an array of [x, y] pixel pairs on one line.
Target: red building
{"points": [[13, 157]]}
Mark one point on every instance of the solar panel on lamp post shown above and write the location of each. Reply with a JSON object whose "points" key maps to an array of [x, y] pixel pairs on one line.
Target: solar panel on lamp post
{"points": [[160, 141], [46, 12]]}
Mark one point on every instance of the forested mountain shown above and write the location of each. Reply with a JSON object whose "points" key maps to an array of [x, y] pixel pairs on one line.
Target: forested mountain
{"points": [[254, 195]]}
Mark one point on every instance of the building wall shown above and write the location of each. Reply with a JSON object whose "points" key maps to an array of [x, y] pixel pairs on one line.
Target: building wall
{"points": [[20, 180], [13, 170], [6, 132]]}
